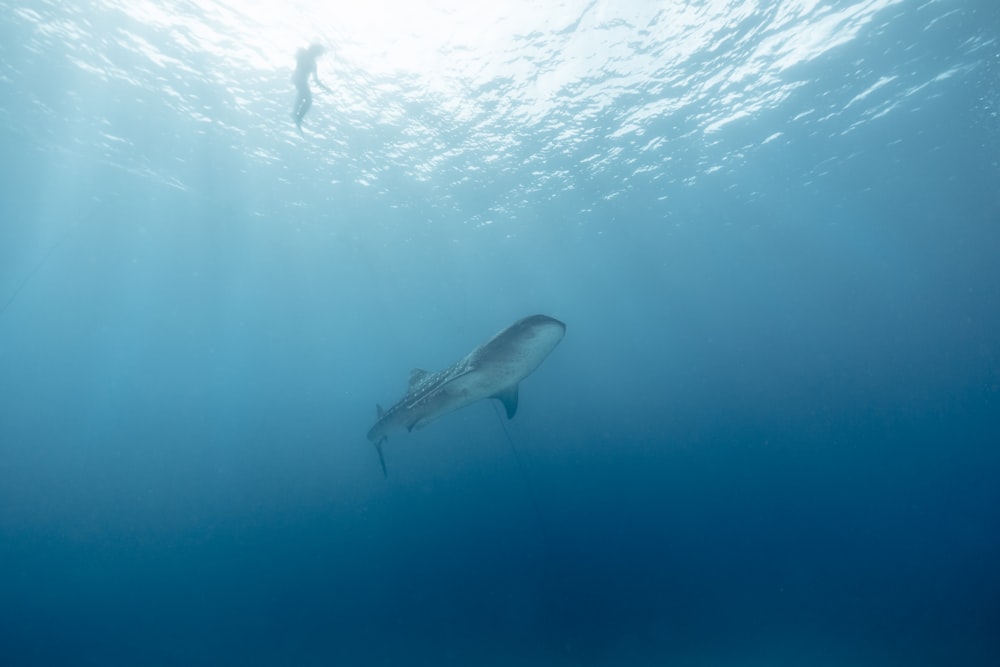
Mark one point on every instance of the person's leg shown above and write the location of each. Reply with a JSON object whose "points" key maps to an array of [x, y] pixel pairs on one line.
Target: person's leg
{"points": [[302, 104], [306, 104]]}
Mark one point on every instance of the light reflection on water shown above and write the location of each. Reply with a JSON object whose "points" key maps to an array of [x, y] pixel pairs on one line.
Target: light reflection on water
{"points": [[464, 94]]}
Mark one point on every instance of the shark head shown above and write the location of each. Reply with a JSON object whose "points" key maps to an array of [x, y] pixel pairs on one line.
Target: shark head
{"points": [[522, 346]]}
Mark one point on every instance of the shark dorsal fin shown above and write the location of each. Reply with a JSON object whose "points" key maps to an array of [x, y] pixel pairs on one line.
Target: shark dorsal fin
{"points": [[416, 375], [379, 411], [508, 397]]}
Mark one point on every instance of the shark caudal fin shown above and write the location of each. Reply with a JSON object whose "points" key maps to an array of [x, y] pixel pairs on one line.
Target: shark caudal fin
{"points": [[378, 443], [381, 459]]}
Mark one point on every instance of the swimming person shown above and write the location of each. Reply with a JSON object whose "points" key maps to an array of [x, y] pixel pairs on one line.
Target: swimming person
{"points": [[305, 65]]}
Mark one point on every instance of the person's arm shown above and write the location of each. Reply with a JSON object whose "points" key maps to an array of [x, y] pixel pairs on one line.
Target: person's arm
{"points": [[318, 82]]}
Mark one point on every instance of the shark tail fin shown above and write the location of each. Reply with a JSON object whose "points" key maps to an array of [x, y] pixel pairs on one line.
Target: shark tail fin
{"points": [[381, 458], [378, 443]]}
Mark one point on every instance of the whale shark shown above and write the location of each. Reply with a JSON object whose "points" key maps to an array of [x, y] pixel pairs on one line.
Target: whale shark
{"points": [[492, 370]]}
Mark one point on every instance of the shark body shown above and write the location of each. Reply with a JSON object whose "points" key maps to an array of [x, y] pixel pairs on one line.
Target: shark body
{"points": [[492, 370]]}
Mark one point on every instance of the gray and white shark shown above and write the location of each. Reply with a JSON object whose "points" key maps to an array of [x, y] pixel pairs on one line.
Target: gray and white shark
{"points": [[492, 370]]}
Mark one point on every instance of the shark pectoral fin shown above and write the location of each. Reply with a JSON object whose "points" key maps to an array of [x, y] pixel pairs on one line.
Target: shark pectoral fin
{"points": [[509, 399], [381, 459]]}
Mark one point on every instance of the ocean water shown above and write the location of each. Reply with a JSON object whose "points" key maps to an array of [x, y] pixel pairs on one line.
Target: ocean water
{"points": [[770, 436]]}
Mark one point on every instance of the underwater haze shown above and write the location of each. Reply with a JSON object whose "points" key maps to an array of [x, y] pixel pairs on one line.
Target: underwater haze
{"points": [[770, 435]]}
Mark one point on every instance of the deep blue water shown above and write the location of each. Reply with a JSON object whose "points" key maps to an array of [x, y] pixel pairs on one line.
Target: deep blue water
{"points": [[771, 435]]}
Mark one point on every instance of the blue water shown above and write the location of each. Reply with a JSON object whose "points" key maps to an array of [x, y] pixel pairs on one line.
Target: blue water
{"points": [[771, 435]]}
